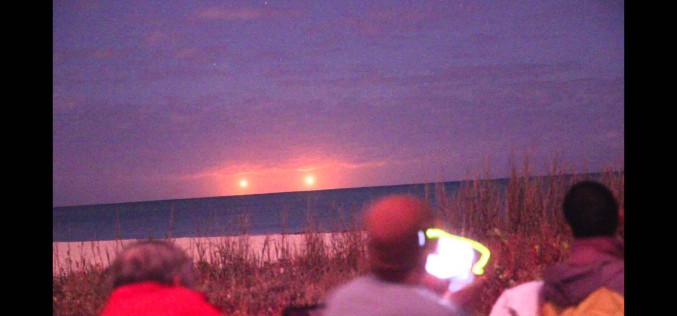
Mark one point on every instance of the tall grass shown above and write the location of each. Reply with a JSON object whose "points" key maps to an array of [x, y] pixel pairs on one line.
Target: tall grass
{"points": [[520, 222]]}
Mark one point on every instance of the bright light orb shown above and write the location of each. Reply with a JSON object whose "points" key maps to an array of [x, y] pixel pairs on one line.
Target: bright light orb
{"points": [[310, 180], [453, 258], [243, 183]]}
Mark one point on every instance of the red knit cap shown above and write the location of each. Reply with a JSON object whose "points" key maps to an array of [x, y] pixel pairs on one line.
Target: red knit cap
{"points": [[393, 223]]}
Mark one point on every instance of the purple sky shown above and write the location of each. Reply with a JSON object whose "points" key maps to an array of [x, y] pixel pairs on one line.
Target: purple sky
{"points": [[178, 99]]}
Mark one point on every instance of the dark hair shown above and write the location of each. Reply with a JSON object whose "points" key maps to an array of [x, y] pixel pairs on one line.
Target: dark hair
{"points": [[591, 210], [152, 260]]}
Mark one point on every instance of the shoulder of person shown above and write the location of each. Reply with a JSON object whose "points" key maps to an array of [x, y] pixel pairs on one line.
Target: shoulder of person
{"points": [[602, 301], [522, 299]]}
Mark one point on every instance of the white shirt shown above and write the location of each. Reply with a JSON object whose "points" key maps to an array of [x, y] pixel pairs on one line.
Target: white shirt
{"points": [[369, 296], [520, 300]]}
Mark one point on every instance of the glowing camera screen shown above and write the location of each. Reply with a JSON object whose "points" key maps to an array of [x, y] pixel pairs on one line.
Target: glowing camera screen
{"points": [[455, 258]]}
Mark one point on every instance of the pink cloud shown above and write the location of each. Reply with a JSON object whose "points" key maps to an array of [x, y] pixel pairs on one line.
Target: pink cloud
{"points": [[186, 53], [66, 103], [280, 176], [106, 53], [156, 38], [211, 14], [228, 14]]}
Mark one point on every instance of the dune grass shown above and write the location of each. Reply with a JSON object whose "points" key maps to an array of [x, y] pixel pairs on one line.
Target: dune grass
{"points": [[521, 223]]}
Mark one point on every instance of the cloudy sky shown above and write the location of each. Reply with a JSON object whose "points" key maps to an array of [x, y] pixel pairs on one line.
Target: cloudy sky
{"points": [[179, 99]]}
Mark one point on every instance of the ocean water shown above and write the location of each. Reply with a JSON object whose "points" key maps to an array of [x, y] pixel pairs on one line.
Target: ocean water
{"points": [[258, 214], [291, 212]]}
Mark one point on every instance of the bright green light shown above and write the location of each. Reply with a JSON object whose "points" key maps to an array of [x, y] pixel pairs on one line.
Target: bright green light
{"points": [[478, 267]]}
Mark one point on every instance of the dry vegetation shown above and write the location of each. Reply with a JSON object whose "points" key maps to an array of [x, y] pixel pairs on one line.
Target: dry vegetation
{"points": [[520, 223]]}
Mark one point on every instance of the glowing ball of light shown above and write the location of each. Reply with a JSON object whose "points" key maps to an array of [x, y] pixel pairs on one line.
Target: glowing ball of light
{"points": [[243, 183], [310, 180]]}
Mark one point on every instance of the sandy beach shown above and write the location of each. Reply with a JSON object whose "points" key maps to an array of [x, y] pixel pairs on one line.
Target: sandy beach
{"points": [[73, 256]]}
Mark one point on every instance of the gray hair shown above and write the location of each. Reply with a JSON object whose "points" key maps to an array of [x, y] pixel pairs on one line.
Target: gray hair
{"points": [[152, 260]]}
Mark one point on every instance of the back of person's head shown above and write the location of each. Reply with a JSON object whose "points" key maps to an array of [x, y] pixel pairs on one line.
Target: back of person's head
{"points": [[591, 210], [393, 224], [153, 260]]}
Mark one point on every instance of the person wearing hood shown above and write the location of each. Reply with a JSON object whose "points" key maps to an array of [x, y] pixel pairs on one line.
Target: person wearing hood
{"points": [[596, 263]]}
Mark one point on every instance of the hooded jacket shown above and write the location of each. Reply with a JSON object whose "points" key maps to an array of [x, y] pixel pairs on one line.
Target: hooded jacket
{"points": [[594, 262]]}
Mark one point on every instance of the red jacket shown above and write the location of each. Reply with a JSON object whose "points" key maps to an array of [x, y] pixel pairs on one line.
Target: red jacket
{"points": [[155, 299]]}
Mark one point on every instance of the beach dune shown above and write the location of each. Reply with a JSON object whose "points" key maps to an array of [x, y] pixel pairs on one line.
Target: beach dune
{"points": [[73, 256]]}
